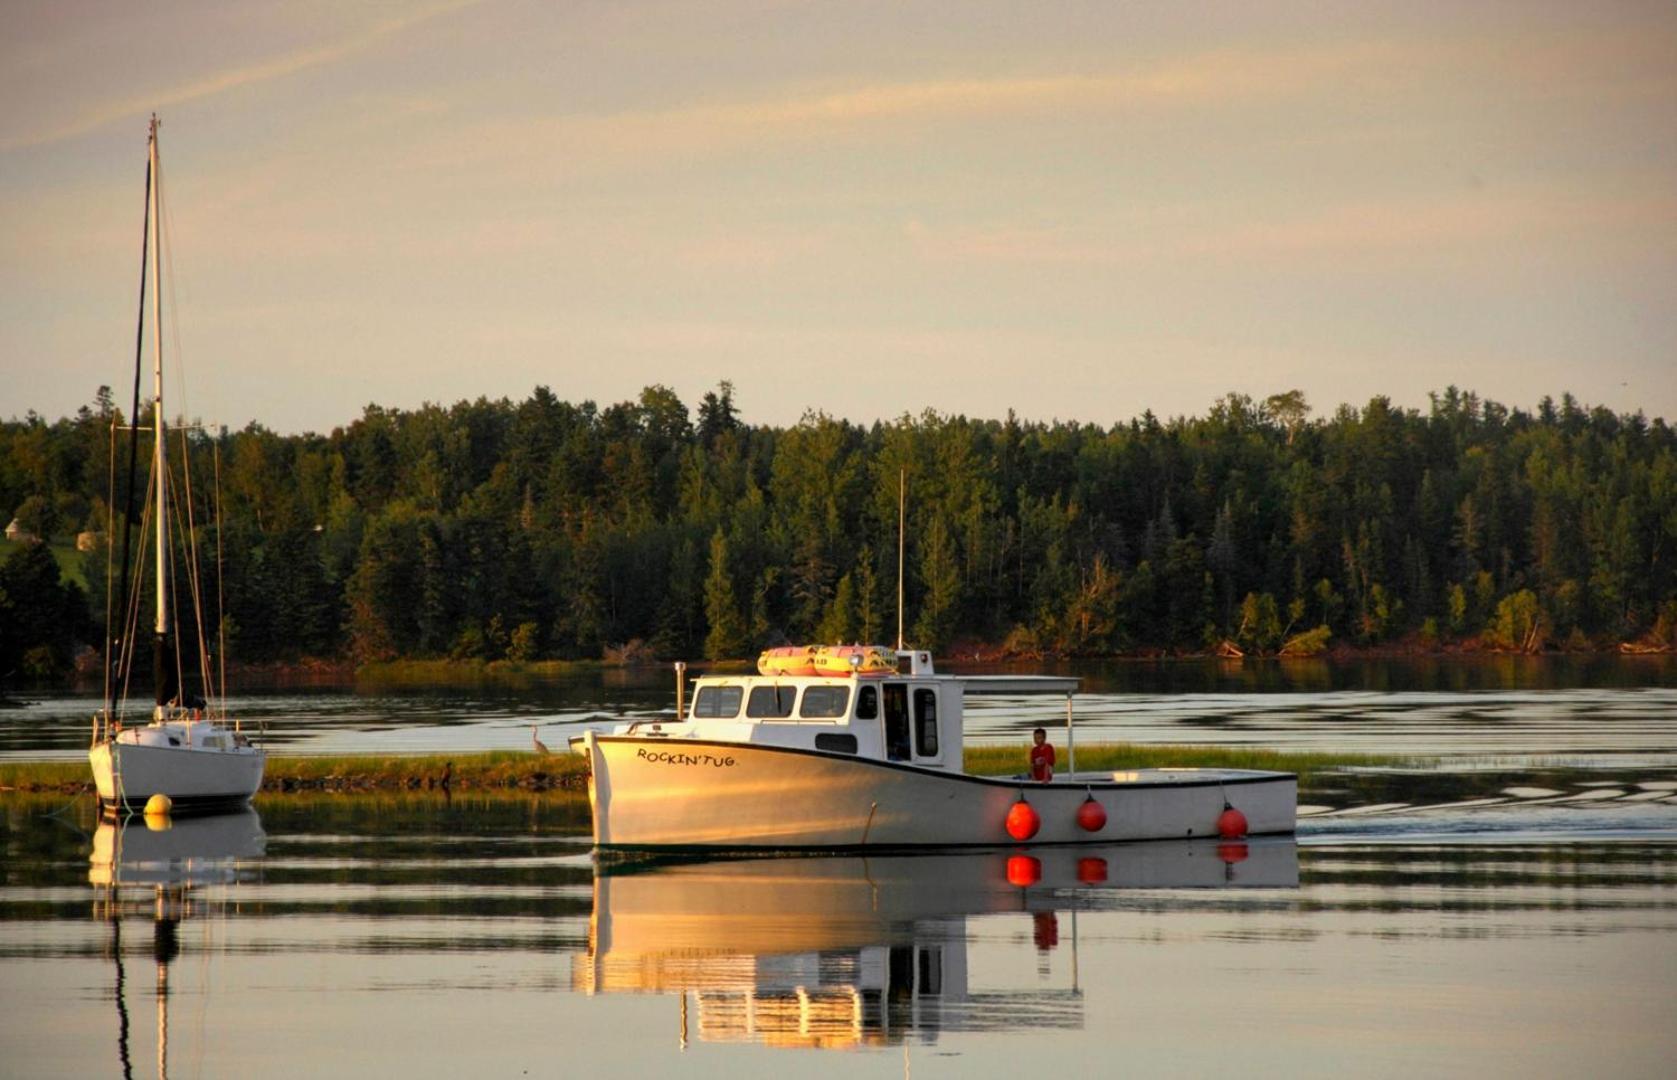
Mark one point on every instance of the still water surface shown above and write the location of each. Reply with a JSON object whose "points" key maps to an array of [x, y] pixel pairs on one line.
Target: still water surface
{"points": [[417, 937], [1498, 710], [1509, 911]]}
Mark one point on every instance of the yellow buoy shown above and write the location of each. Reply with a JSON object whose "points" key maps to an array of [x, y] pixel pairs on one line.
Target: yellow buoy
{"points": [[159, 805]]}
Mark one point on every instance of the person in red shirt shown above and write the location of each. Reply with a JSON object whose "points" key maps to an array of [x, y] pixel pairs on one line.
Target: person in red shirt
{"points": [[1042, 757]]}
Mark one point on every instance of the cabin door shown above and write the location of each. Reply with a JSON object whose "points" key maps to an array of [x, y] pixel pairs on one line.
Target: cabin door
{"points": [[896, 721], [926, 724]]}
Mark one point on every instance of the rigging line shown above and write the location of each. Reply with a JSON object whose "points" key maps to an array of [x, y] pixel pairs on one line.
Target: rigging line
{"points": [[194, 571], [131, 623], [166, 246], [174, 597], [189, 544], [110, 527], [220, 577], [134, 416]]}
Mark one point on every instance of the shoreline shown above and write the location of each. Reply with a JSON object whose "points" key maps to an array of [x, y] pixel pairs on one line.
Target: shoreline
{"points": [[422, 671]]}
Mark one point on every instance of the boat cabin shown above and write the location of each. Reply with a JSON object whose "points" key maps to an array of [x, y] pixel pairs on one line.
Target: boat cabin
{"points": [[912, 718], [183, 734]]}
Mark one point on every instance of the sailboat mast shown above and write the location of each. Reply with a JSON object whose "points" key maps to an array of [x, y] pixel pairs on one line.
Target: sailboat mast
{"points": [[159, 459]]}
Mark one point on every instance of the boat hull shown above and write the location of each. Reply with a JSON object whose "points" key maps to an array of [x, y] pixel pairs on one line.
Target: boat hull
{"points": [[191, 778], [664, 793]]}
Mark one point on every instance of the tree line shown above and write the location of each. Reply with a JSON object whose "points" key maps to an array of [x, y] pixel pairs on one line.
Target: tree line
{"points": [[542, 528]]}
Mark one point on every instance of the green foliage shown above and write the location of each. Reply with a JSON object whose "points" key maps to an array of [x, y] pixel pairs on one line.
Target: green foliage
{"points": [[42, 616], [839, 624], [543, 528], [1520, 623], [726, 638], [1312, 642], [37, 516], [1260, 623]]}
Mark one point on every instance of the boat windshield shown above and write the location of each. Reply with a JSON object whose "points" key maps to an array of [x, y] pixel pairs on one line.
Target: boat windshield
{"points": [[824, 702], [770, 702], [717, 702]]}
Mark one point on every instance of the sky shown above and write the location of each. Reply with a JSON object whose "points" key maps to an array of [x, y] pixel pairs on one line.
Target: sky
{"points": [[1076, 211]]}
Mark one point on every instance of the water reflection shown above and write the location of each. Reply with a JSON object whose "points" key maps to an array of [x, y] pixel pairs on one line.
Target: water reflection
{"points": [[154, 868], [822, 952], [1489, 940]]}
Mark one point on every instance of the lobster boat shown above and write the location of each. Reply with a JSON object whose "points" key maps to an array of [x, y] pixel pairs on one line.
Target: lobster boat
{"points": [[860, 747]]}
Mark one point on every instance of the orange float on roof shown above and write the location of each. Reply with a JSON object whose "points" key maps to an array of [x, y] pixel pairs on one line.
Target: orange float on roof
{"points": [[834, 660], [787, 660]]}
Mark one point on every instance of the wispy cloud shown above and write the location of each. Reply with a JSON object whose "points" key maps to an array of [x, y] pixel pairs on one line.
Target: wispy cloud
{"points": [[1222, 76], [1397, 71], [278, 67], [1342, 234]]}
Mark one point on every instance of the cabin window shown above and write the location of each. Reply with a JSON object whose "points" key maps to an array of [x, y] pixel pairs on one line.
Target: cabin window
{"points": [[832, 740], [770, 702], [925, 728], [717, 702], [931, 973], [896, 721], [867, 703], [899, 980], [824, 702]]}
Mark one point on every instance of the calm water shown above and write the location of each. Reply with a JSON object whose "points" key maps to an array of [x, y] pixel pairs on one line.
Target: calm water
{"points": [[421, 938], [1511, 911], [1502, 710]]}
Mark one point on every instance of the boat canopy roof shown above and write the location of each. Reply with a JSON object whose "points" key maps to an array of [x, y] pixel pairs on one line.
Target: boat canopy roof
{"points": [[1019, 684], [970, 684]]}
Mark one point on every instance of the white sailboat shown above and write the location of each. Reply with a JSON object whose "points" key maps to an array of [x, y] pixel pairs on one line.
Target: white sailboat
{"points": [[186, 751]]}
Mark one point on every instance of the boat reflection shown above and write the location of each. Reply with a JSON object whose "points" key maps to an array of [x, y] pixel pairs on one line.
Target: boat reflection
{"points": [[847, 951], [154, 868], [190, 851]]}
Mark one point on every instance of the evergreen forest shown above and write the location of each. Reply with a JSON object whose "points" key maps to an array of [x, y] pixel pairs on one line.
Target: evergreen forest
{"points": [[536, 529]]}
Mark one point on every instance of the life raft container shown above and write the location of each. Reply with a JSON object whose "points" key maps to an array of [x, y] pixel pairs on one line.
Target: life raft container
{"points": [[854, 659], [787, 660], [830, 660]]}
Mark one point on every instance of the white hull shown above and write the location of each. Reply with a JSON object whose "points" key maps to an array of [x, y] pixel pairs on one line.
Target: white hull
{"points": [[650, 792], [190, 777]]}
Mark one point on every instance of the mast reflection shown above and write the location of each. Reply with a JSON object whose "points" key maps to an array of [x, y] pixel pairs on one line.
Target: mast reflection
{"points": [[153, 868], [849, 951]]}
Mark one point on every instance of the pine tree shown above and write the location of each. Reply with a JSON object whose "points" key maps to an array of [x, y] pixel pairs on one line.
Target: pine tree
{"points": [[726, 637]]}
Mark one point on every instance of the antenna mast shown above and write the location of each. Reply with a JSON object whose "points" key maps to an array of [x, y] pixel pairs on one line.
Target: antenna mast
{"points": [[902, 535]]}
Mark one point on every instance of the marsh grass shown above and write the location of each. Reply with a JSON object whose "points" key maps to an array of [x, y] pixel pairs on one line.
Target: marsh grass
{"points": [[498, 770]]}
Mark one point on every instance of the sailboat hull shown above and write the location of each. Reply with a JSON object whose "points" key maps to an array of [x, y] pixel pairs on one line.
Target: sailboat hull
{"points": [[193, 779]]}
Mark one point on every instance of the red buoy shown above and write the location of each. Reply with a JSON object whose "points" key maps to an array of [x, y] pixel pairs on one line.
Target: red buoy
{"points": [[1231, 824], [1022, 820], [1091, 816], [1023, 870], [1091, 871], [1232, 853]]}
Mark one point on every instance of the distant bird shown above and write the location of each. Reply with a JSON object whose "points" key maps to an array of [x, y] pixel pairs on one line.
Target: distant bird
{"points": [[540, 747]]}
